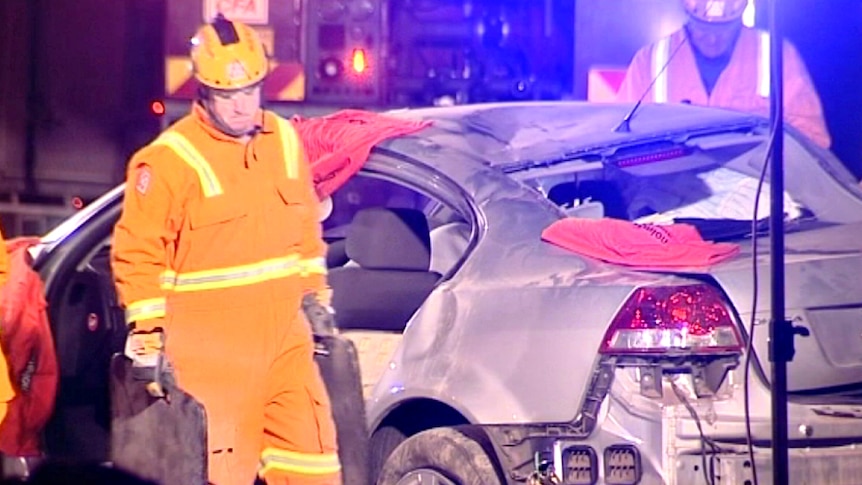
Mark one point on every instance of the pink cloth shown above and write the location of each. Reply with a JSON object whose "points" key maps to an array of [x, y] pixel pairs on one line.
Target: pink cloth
{"points": [[629, 244], [339, 144]]}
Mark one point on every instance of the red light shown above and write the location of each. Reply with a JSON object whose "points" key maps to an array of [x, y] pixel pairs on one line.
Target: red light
{"points": [[77, 203], [360, 61], [656, 320], [157, 108], [652, 157]]}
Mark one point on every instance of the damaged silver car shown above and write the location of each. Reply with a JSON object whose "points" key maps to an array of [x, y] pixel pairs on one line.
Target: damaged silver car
{"points": [[490, 356]]}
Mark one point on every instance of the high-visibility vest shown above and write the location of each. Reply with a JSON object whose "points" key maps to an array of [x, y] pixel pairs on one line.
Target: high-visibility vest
{"points": [[661, 58], [233, 276]]}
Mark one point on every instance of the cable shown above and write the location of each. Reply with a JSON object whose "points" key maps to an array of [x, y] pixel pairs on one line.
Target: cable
{"points": [[708, 476], [751, 327], [624, 126]]}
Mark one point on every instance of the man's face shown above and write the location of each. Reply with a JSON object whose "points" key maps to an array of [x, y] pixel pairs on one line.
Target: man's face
{"points": [[713, 39], [236, 110]]}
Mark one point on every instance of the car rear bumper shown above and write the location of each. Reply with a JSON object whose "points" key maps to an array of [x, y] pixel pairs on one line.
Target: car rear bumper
{"points": [[833, 466]]}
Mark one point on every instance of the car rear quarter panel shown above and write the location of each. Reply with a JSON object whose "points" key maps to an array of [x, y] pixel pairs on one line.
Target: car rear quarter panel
{"points": [[514, 335]]}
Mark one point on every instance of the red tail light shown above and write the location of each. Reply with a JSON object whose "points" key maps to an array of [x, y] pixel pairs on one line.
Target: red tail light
{"points": [[652, 157], [660, 320]]}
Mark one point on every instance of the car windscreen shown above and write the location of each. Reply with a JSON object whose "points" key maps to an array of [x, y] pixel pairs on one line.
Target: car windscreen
{"points": [[713, 178]]}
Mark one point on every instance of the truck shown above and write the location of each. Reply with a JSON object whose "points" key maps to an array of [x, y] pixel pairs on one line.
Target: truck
{"points": [[368, 54]]}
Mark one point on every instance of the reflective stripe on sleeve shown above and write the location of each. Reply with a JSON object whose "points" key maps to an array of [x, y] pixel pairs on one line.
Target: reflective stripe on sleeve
{"points": [[290, 146], [308, 267], [275, 460], [145, 310], [763, 66], [186, 151], [243, 275], [660, 54]]}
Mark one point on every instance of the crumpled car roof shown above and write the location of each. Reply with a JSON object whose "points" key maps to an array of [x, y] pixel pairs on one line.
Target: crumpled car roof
{"points": [[506, 133]]}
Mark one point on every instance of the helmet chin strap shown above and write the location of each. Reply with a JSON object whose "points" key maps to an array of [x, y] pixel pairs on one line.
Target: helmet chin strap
{"points": [[220, 124]]}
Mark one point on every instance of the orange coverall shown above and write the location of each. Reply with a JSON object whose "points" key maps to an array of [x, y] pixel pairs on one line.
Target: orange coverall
{"points": [[217, 243], [743, 85]]}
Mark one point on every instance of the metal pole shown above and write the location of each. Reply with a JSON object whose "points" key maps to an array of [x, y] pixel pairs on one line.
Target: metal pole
{"points": [[781, 331]]}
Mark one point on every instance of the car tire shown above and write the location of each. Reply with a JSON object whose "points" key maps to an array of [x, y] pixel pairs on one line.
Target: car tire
{"points": [[460, 456], [383, 442]]}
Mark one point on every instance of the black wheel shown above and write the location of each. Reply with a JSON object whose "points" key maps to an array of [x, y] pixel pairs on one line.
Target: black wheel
{"points": [[383, 442], [442, 456]]}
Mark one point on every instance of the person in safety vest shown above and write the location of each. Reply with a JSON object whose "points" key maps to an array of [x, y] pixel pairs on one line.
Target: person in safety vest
{"points": [[714, 60], [217, 244]]}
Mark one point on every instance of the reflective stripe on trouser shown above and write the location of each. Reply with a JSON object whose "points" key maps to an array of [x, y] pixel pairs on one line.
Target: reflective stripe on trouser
{"points": [[251, 365], [287, 467]]}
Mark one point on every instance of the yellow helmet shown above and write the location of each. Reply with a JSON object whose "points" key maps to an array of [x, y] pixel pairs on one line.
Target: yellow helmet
{"points": [[228, 55], [715, 10]]}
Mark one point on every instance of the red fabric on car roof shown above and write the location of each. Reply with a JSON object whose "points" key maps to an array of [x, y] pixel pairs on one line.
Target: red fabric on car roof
{"points": [[629, 244], [339, 144]]}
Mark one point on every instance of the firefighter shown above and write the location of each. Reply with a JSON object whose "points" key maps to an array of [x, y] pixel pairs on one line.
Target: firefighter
{"points": [[216, 246], [714, 60]]}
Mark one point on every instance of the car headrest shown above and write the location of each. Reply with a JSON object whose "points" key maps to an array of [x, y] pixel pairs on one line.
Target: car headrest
{"points": [[382, 238]]}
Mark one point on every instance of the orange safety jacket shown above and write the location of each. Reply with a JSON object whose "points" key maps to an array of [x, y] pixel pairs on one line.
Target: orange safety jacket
{"points": [[185, 182], [744, 85]]}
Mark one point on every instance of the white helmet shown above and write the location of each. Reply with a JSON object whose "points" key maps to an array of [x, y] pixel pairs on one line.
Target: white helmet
{"points": [[715, 10]]}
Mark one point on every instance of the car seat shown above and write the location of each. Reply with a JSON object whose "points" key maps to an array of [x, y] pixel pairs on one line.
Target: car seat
{"points": [[375, 299]]}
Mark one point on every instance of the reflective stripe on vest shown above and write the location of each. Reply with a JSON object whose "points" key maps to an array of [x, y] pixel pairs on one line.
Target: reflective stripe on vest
{"points": [[247, 274], [660, 57], [763, 74], [290, 147], [275, 460], [145, 310], [235, 275], [659, 60], [193, 158]]}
